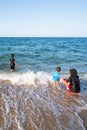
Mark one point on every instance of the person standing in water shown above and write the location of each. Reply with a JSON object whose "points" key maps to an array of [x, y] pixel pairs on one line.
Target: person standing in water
{"points": [[12, 62], [56, 77]]}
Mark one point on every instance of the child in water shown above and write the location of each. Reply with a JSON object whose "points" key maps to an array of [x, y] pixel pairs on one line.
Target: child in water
{"points": [[12, 62], [73, 83], [56, 77]]}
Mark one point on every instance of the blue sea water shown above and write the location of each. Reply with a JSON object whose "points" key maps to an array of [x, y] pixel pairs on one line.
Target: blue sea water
{"points": [[44, 54]]}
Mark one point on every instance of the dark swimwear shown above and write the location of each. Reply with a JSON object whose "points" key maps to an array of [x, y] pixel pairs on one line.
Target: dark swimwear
{"points": [[12, 64]]}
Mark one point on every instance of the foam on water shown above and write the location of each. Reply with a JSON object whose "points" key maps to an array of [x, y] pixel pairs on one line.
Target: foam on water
{"points": [[38, 108], [27, 78], [31, 77]]}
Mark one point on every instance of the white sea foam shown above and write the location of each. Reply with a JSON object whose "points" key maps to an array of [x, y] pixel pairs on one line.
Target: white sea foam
{"points": [[31, 78], [30, 108], [27, 78]]}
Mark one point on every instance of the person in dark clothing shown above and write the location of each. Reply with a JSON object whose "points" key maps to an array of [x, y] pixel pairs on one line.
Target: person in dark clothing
{"points": [[12, 62], [73, 83]]}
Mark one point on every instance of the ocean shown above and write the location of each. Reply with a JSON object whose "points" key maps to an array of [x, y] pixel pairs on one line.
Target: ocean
{"points": [[26, 98]]}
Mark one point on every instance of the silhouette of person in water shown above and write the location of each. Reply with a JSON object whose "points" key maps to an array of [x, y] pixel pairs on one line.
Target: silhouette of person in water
{"points": [[12, 62]]}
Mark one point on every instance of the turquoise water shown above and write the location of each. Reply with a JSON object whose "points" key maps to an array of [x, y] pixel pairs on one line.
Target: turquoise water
{"points": [[38, 57], [44, 54]]}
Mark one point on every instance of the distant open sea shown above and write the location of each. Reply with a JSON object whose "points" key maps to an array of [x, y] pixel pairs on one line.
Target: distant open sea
{"points": [[30, 85], [44, 54]]}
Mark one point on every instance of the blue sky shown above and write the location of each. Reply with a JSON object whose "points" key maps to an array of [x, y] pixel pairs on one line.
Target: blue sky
{"points": [[59, 18]]}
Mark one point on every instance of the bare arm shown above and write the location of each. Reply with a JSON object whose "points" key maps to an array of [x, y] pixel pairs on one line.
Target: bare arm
{"points": [[16, 64]]}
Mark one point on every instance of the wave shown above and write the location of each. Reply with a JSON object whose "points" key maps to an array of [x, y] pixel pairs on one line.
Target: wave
{"points": [[35, 79], [27, 78]]}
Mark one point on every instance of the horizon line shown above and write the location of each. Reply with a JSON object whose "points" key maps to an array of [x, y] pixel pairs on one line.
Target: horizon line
{"points": [[43, 36]]}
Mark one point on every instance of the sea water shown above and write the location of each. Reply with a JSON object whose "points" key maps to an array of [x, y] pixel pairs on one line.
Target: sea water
{"points": [[26, 98], [44, 54]]}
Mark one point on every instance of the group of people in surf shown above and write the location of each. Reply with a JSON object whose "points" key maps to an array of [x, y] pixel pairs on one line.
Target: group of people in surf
{"points": [[72, 83]]}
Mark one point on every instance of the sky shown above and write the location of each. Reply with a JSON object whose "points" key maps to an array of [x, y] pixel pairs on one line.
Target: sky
{"points": [[38, 18]]}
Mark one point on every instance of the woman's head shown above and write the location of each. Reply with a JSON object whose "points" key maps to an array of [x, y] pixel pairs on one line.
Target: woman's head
{"points": [[73, 72]]}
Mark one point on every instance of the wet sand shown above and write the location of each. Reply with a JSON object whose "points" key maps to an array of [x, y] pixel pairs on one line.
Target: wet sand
{"points": [[83, 115], [40, 109]]}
